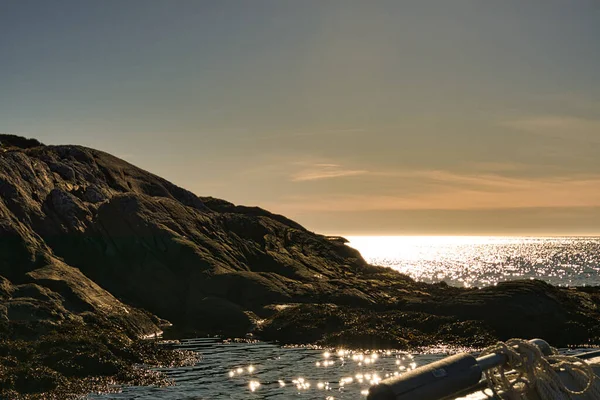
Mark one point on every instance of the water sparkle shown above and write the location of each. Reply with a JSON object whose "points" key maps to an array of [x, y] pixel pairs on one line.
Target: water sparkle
{"points": [[479, 261]]}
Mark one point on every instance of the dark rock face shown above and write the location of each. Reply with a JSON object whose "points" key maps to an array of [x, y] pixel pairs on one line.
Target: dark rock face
{"points": [[158, 246], [84, 234], [11, 141]]}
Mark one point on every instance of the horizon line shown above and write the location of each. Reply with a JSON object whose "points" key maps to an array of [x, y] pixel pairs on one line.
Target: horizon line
{"points": [[473, 235]]}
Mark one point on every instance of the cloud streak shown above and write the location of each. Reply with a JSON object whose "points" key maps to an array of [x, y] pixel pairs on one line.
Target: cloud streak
{"points": [[325, 171], [450, 191]]}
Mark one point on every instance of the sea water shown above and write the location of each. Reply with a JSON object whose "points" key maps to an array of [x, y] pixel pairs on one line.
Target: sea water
{"points": [[482, 261], [266, 371]]}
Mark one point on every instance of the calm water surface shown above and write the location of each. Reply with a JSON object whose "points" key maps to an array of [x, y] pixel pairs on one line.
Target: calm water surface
{"points": [[267, 371]]}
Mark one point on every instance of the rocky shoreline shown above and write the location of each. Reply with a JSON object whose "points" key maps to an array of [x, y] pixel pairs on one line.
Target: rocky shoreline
{"points": [[96, 253], [73, 359]]}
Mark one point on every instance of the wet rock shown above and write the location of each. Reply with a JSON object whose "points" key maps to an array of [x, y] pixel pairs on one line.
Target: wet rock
{"points": [[216, 314], [74, 358], [522, 309], [36, 380], [350, 327]]}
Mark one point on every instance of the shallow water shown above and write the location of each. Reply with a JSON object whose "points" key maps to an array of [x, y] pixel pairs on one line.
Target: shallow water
{"points": [[482, 261], [267, 371]]}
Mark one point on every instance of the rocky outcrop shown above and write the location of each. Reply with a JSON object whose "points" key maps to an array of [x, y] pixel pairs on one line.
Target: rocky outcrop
{"points": [[421, 315], [86, 236], [158, 246]]}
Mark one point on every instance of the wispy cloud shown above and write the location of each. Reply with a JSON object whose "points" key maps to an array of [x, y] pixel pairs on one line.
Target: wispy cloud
{"points": [[451, 191], [496, 166], [327, 165], [325, 171]]}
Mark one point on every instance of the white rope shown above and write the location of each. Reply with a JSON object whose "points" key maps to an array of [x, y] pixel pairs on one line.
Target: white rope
{"points": [[538, 374]]}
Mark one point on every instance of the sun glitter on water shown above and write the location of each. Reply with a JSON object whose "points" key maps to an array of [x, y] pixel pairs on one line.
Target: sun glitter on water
{"points": [[485, 260], [355, 372]]}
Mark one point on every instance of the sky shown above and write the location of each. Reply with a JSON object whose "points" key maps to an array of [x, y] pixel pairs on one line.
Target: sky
{"points": [[351, 117]]}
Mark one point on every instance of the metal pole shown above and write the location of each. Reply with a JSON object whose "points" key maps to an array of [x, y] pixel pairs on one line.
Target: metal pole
{"points": [[482, 385], [442, 378]]}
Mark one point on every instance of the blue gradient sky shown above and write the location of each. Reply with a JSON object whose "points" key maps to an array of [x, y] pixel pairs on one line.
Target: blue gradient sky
{"points": [[352, 117]]}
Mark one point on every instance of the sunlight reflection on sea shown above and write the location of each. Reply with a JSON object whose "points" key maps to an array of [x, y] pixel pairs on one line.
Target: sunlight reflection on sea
{"points": [[482, 261], [267, 371]]}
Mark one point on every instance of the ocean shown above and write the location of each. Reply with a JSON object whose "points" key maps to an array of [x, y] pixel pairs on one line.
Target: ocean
{"points": [[477, 261], [267, 371]]}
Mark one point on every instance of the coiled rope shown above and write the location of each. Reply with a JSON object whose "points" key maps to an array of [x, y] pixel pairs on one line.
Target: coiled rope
{"points": [[538, 374]]}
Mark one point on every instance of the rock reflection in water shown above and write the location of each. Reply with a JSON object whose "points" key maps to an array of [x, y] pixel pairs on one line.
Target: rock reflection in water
{"points": [[267, 371]]}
